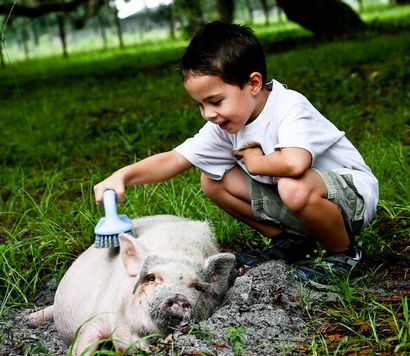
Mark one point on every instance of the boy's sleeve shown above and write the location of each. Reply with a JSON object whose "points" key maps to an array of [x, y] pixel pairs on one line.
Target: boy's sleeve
{"points": [[208, 150], [304, 127]]}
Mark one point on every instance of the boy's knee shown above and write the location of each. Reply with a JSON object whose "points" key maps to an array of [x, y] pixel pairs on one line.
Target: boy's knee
{"points": [[294, 193]]}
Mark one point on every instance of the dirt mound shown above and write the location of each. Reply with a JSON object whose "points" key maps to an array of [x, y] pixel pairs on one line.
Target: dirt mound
{"points": [[262, 314]]}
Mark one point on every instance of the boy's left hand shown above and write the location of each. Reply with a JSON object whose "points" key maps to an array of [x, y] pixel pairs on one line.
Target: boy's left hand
{"points": [[248, 152]]}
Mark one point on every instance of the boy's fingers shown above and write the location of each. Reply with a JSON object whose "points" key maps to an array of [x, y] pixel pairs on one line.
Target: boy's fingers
{"points": [[98, 193], [250, 145], [99, 190], [120, 196]]}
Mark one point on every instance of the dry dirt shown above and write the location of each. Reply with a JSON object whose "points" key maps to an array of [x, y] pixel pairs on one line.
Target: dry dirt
{"points": [[266, 300]]}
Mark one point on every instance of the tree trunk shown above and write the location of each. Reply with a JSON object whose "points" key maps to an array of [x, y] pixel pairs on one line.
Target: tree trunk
{"points": [[63, 36], [25, 36], [322, 17], [191, 11], [170, 17], [118, 27], [226, 9], [250, 10], [102, 31], [361, 5], [2, 61], [265, 9], [34, 33]]}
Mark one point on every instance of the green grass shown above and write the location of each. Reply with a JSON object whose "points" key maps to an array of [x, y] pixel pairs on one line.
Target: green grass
{"points": [[67, 124]]}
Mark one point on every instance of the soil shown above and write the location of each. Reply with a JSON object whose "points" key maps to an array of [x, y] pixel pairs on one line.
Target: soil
{"points": [[266, 301]]}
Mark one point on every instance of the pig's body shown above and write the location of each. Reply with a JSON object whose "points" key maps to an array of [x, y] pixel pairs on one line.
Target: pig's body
{"points": [[170, 273]]}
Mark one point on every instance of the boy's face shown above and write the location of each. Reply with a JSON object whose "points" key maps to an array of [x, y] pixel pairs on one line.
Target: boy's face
{"points": [[225, 105]]}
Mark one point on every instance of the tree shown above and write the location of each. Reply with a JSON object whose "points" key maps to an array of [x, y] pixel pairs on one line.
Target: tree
{"points": [[191, 14], [322, 17], [76, 11], [62, 32], [2, 61], [40, 8], [265, 8], [226, 10]]}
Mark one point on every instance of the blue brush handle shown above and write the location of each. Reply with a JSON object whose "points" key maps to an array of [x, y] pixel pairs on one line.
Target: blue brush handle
{"points": [[110, 203]]}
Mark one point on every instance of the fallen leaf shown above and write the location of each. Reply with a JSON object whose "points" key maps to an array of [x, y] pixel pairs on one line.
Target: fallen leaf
{"points": [[334, 337]]}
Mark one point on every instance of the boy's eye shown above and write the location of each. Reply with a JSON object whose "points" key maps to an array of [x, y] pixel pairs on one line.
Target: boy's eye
{"points": [[216, 102]]}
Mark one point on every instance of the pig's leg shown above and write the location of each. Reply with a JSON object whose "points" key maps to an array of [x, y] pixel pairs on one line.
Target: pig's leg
{"points": [[89, 336], [41, 316]]}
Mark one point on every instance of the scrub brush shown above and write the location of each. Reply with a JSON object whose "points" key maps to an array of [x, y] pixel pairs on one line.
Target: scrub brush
{"points": [[109, 227]]}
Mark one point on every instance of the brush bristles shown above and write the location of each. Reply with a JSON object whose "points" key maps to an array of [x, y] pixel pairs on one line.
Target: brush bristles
{"points": [[107, 241]]}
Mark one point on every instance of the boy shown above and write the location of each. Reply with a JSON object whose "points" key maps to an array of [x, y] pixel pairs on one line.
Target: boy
{"points": [[267, 156]]}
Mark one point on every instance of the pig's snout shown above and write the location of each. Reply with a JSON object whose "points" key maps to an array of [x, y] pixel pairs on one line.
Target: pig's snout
{"points": [[176, 309], [177, 305]]}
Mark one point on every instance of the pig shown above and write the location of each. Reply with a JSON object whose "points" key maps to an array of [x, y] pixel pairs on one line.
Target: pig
{"points": [[172, 272]]}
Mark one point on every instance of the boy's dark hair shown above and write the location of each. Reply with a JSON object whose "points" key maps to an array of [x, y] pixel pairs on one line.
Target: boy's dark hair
{"points": [[231, 52]]}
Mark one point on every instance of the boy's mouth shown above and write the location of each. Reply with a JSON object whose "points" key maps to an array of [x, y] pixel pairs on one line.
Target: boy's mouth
{"points": [[224, 125]]}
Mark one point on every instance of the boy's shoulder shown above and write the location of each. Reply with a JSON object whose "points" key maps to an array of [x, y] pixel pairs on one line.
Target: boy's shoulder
{"points": [[282, 99], [282, 91]]}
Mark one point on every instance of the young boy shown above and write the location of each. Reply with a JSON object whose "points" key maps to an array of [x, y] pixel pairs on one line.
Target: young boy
{"points": [[267, 156]]}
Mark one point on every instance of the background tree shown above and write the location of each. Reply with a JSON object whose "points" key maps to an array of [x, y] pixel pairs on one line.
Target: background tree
{"points": [[322, 17], [265, 8], [226, 9], [76, 12], [2, 61], [190, 14], [167, 13]]}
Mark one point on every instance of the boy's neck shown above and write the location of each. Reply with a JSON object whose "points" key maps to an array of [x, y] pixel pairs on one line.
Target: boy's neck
{"points": [[262, 99]]}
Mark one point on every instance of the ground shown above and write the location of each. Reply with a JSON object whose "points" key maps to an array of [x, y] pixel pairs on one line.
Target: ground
{"points": [[275, 310]]}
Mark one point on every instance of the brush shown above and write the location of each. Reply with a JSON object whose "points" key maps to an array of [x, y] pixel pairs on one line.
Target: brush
{"points": [[110, 226]]}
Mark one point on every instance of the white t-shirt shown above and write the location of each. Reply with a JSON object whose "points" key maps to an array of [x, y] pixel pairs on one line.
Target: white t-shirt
{"points": [[288, 119]]}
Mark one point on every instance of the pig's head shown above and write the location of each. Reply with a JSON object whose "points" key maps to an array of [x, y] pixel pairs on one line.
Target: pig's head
{"points": [[172, 290]]}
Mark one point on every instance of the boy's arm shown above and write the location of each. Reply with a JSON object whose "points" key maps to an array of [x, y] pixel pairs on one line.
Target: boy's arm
{"points": [[153, 169], [286, 162]]}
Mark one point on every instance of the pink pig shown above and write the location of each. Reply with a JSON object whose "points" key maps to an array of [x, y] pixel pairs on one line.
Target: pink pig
{"points": [[171, 273]]}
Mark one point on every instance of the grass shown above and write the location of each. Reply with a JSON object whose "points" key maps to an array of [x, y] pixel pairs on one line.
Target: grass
{"points": [[67, 124]]}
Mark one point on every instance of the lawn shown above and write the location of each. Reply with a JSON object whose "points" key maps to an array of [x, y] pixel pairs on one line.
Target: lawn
{"points": [[67, 124]]}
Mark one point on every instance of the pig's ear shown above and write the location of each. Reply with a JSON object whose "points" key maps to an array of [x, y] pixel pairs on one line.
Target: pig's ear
{"points": [[218, 267], [133, 253]]}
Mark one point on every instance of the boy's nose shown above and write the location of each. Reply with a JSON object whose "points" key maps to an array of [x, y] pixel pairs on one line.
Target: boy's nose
{"points": [[210, 114]]}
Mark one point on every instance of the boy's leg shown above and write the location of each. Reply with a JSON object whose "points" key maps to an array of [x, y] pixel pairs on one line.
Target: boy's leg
{"points": [[307, 198], [259, 206], [331, 208], [232, 195]]}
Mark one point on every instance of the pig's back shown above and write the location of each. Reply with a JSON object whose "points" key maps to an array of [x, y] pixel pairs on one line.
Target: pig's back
{"points": [[172, 235]]}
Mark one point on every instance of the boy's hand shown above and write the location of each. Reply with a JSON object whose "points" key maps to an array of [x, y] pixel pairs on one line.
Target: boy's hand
{"points": [[114, 182], [285, 162], [248, 152]]}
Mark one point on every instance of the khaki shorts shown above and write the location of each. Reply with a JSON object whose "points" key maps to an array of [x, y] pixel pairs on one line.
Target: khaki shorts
{"points": [[267, 206]]}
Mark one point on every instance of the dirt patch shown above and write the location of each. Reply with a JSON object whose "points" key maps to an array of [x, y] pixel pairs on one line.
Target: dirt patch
{"points": [[265, 301], [264, 312]]}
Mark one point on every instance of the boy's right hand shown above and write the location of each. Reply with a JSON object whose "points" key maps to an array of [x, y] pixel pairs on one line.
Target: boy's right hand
{"points": [[113, 182]]}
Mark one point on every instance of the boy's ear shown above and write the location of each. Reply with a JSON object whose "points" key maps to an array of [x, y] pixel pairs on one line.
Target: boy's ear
{"points": [[255, 82]]}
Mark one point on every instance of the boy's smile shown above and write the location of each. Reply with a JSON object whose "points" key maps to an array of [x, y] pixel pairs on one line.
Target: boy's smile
{"points": [[225, 105]]}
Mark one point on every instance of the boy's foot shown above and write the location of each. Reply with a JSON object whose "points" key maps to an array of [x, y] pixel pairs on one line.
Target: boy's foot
{"points": [[283, 247], [329, 268]]}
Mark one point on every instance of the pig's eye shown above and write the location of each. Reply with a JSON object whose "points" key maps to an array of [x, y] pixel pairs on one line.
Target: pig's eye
{"points": [[149, 278]]}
